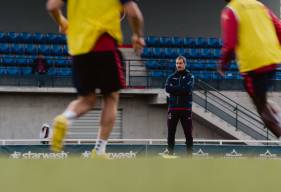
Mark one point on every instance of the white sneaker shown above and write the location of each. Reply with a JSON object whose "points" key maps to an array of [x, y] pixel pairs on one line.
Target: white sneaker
{"points": [[166, 155]]}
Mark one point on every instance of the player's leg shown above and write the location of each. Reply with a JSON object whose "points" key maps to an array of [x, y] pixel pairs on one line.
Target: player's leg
{"points": [[110, 80], [61, 123], [186, 122], [84, 82], [109, 111], [257, 86]]}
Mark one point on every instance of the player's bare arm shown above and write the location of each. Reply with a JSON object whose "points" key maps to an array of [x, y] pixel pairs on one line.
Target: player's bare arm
{"points": [[54, 8], [135, 19]]}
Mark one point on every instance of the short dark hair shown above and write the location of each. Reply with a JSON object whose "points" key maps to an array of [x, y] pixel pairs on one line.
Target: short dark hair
{"points": [[182, 58]]}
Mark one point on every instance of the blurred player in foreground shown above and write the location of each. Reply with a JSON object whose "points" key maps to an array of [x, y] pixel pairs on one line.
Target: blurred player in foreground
{"points": [[253, 33], [93, 34]]}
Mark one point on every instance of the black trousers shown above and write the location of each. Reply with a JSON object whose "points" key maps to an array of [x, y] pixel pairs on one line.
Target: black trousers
{"points": [[185, 117]]}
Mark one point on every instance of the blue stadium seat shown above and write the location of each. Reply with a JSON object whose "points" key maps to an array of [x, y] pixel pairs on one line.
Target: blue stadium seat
{"points": [[170, 53], [156, 73], [220, 42], [13, 71], [201, 42], [17, 49], [4, 48], [25, 37], [213, 42], [62, 62], [52, 71], [278, 76], [31, 49], [212, 66], [217, 53], [171, 65], [52, 38], [26, 70], [229, 75], [152, 41], [61, 39], [217, 76], [63, 72], [176, 42], [3, 71], [189, 42], [165, 41], [181, 51], [51, 62], [158, 52], [24, 61], [147, 52], [194, 53], [44, 49], [196, 66], [40, 38], [64, 50], [206, 53], [56, 50], [151, 64], [9, 61], [233, 66], [3, 37], [12, 37]]}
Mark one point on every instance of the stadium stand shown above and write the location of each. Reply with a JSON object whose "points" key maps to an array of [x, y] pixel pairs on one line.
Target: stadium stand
{"points": [[19, 50]]}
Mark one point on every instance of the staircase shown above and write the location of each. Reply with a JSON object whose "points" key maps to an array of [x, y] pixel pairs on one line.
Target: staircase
{"points": [[231, 117]]}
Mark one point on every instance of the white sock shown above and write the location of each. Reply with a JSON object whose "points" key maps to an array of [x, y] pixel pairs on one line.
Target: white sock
{"points": [[100, 146], [69, 115]]}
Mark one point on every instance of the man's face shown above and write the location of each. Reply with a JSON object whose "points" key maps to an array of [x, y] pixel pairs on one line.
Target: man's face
{"points": [[180, 65]]}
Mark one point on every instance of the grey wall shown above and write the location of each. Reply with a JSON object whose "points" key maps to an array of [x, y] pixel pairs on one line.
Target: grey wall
{"points": [[25, 16], [164, 18], [22, 115]]}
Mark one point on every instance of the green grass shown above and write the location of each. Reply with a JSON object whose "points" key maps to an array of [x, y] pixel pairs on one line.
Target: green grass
{"points": [[140, 175]]}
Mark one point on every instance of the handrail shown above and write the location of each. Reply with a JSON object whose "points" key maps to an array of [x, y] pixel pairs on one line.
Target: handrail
{"points": [[226, 97], [233, 108], [241, 117], [236, 104]]}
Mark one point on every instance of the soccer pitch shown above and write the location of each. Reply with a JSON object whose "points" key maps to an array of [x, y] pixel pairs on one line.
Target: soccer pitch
{"points": [[140, 175]]}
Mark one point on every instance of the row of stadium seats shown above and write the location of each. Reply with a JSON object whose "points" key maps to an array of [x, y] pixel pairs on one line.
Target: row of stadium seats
{"points": [[33, 49], [29, 61], [37, 38], [175, 52], [34, 56], [28, 71], [152, 41], [191, 65], [206, 75], [197, 74]]}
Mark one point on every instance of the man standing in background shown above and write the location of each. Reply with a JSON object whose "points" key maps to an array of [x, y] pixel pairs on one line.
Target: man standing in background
{"points": [[179, 85]]}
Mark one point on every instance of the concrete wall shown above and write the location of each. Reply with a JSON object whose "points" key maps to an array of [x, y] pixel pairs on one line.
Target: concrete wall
{"points": [[243, 99], [22, 114], [162, 18]]}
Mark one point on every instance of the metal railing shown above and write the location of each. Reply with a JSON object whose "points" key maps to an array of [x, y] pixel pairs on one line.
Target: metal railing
{"points": [[240, 117]]}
